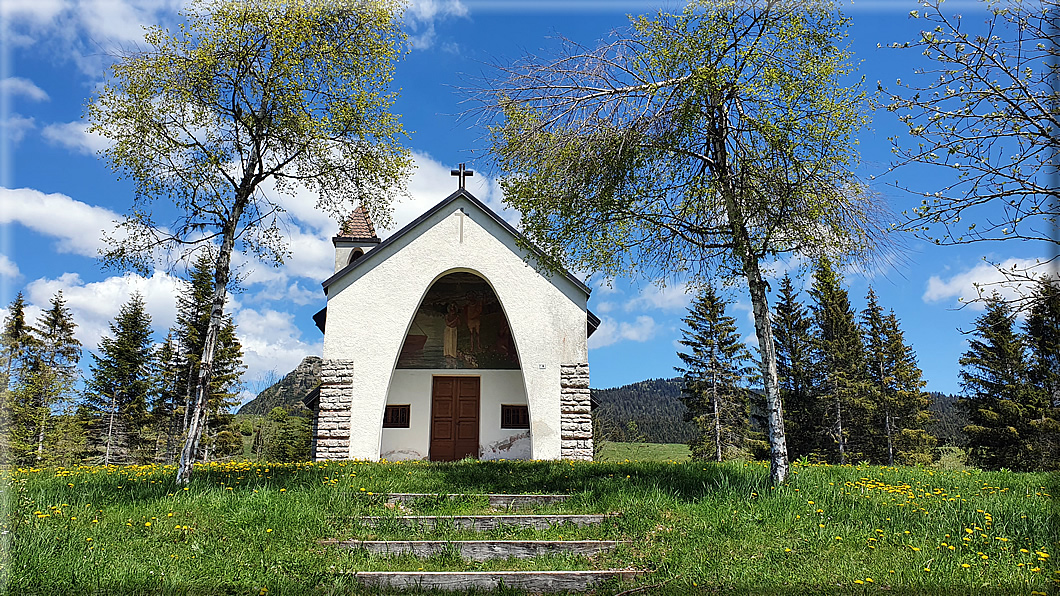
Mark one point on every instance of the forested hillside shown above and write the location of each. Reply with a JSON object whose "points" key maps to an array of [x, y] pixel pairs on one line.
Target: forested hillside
{"points": [[289, 391], [654, 406], [948, 420]]}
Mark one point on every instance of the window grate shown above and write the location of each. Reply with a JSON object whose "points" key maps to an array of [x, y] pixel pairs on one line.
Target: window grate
{"points": [[515, 417], [396, 416]]}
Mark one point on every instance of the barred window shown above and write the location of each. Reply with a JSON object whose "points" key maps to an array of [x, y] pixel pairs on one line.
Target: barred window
{"points": [[515, 417], [396, 416]]}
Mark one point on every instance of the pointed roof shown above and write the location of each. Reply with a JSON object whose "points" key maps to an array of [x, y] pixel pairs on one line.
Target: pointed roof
{"points": [[460, 193], [358, 227], [320, 318]]}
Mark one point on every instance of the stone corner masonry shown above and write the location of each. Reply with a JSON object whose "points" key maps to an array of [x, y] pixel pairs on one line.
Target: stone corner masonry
{"points": [[332, 440], [575, 418]]}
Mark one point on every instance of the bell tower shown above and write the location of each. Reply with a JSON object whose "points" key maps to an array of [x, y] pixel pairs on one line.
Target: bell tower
{"points": [[356, 237]]}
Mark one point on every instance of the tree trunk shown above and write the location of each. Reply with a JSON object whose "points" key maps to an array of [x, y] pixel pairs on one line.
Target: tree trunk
{"points": [[839, 431], [110, 433], [717, 415], [890, 437], [220, 286], [757, 287]]}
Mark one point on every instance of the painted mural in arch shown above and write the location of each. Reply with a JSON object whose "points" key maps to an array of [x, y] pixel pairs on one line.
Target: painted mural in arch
{"points": [[459, 324]]}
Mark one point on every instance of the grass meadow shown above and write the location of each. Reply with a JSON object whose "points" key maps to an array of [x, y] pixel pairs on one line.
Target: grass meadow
{"points": [[253, 528]]}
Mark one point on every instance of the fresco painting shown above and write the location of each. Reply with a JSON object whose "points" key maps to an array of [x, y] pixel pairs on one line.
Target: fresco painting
{"points": [[460, 324]]}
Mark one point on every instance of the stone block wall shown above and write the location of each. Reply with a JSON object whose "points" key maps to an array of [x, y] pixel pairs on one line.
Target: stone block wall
{"points": [[332, 437], [575, 418]]}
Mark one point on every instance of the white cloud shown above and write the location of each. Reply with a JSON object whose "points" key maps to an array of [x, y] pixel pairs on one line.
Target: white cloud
{"points": [[270, 339], [32, 11], [14, 128], [8, 268], [611, 331], [15, 86], [75, 136], [95, 304], [671, 298], [77, 226], [420, 18], [984, 277], [271, 342], [432, 182]]}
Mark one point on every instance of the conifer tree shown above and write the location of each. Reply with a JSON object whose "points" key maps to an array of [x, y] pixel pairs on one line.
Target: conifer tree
{"points": [[16, 344], [193, 318], [44, 429], [794, 345], [897, 387], [1042, 333], [121, 386], [839, 360], [999, 399], [715, 371], [168, 404]]}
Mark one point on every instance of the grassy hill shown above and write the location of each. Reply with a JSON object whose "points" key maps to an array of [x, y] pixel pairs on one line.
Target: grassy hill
{"points": [[695, 527]]}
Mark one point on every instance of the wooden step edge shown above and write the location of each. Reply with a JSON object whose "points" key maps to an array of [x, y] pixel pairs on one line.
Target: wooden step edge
{"points": [[495, 499], [480, 522], [480, 550], [537, 581]]}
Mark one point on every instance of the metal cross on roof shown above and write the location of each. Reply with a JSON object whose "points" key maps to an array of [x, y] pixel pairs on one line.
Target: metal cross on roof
{"points": [[462, 173]]}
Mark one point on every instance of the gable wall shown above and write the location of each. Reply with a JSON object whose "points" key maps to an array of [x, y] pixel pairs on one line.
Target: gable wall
{"points": [[371, 308]]}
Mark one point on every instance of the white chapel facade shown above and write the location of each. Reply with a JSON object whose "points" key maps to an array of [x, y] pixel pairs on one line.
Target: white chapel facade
{"points": [[444, 341]]}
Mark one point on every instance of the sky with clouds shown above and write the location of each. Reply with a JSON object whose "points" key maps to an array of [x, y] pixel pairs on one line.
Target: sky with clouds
{"points": [[57, 198]]}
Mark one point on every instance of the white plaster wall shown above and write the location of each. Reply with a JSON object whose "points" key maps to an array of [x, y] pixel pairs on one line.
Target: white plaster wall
{"points": [[371, 308], [496, 387]]}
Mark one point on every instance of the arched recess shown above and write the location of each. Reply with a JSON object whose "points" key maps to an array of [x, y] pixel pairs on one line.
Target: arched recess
{"points": [[460, 332]]}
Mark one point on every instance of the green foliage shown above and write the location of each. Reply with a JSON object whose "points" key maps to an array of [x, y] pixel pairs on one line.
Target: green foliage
{"points": [[901, 409], [839, 363], [999, 399], [243, 94], [716, 375], [43, 427], [283, 437], [695, 144], [1042, 333], [117, 396], [794, 345]]}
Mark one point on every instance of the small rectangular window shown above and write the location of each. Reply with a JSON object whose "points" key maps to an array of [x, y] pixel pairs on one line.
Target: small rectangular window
{"points": [[515, 417], [396, 416]]}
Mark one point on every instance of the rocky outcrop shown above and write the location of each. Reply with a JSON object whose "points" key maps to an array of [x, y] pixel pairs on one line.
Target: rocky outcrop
{"points": [[289, 392]]}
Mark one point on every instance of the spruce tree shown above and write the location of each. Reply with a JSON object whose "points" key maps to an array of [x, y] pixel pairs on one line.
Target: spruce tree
{"points": [[1042, 333], [715, 373], [16, 343], [168, 400], [794, 345], [44, 429], [839, 362], [999, 399], [193, 319], [897, 387], [121, 387]]}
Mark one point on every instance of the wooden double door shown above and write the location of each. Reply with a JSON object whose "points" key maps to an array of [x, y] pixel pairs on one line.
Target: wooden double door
{"points": [[454, 418]]}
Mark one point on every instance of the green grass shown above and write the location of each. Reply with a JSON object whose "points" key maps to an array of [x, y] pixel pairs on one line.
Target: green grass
{"points": [[661, 452], [697, 527]]}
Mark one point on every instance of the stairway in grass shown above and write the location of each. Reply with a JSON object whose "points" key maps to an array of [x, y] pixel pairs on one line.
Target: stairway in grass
{"points": [[483, 550]]}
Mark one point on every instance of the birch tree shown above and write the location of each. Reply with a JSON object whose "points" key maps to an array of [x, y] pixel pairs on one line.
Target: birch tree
{"points": [[244, 93], [693, 144]]}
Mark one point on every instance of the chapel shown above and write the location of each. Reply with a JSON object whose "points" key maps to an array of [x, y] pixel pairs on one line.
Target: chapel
{"points": [[445, 341]]}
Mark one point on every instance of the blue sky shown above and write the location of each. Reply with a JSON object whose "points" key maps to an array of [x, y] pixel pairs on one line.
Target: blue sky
{"points": [[56, 195]]}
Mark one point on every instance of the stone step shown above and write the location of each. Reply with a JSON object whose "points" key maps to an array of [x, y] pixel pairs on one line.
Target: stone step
{"points": [[480, 550], [495, 500], [534, 581], [481, 523]]}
